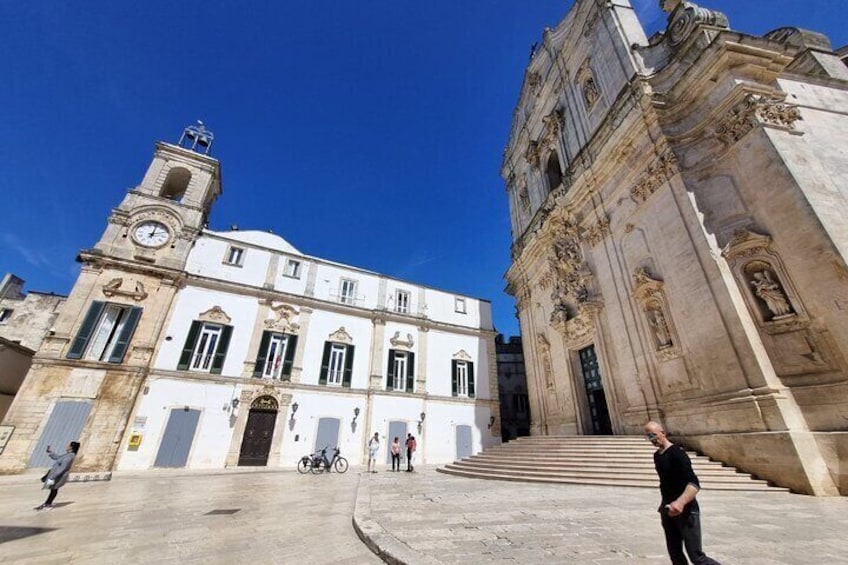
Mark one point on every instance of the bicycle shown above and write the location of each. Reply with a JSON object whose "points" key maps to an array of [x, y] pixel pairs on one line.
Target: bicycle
{"points": [[318, 462]]}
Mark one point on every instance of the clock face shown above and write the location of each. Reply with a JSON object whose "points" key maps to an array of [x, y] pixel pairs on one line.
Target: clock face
{"points": [[151, 234]]}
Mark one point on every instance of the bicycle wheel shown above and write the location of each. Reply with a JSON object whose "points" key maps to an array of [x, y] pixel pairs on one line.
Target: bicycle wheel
{"points": [[304, 465], [341, 465]]}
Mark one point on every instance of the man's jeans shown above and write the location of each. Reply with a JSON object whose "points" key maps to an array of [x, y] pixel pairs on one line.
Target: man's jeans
{"points": [[685, 531]]}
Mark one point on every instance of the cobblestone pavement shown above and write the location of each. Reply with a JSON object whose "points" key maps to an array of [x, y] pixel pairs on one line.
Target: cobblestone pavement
{"points": [[434, 518], [161, 517]]}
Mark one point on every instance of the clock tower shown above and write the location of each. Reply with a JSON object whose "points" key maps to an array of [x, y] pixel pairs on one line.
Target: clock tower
{"points": [[86, 376]]}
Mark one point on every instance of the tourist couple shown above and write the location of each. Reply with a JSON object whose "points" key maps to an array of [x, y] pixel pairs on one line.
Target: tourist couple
{"points": [[374, 446]]}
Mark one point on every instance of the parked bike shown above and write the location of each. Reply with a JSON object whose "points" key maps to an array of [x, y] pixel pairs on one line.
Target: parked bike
{"points": [[318, 462]]}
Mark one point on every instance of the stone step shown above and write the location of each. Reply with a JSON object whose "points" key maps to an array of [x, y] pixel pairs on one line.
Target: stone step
{"points": [[597, 460], [589, 480]]}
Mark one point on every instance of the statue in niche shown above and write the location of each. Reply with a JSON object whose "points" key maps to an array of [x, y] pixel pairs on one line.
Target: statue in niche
{"points": [[660, 327], [590, 91], [769, 291]]}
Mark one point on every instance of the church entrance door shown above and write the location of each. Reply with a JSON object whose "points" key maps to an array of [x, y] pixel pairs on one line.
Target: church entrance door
{"points": [[595, 396]]}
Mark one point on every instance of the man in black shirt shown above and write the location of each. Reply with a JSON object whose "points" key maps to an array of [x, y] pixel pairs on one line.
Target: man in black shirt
{"points": [[679, 510]]}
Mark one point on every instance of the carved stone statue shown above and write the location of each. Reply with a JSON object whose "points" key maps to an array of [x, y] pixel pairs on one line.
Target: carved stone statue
{"points": [[769, 291], [590, 92], [660, 327]]}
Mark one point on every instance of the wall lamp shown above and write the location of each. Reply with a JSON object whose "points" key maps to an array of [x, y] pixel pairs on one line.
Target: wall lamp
{"points": [[235, 403], [355, 414], [421, 421], [491, 421], [294, 408]]}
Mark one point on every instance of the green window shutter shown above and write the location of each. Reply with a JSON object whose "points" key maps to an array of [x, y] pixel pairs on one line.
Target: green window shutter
{"points": [[260, 357], [188, 348], [470, 379], [221, 351], [454, 385], [348, 370], [410, 372], [390, 372], [84, 334], [325, 363], [288, 360], [133, 314]]}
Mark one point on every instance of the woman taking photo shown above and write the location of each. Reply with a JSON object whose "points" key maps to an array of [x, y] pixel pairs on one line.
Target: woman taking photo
{"points": [[58, 474]]}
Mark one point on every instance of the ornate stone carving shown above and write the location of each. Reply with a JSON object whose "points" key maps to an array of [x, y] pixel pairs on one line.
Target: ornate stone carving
{"points": [[283, 320], [534, 82], [649, 293], [686, 16], [545, 359], [462, 355], [587, 83], [655, 176], [265, 403], [341, 336], [113, 288], [553, 126], [397, 341], [753, 110], [596, 233], [216, 315], [771, 293], [745, 243], [523, 196], [533, 154]]}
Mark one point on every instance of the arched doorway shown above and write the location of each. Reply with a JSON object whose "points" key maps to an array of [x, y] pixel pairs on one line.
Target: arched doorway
{"points": [[256, 443]]}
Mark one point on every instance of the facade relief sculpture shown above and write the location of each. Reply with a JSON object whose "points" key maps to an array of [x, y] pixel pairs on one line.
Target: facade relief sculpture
{"points": [[655, 176], [650, 295], [753, 110], [588, 85], [769, 291]]}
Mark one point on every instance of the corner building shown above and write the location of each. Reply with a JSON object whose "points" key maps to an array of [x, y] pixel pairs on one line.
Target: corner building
{"points": [[184, 347], [680, 234]]}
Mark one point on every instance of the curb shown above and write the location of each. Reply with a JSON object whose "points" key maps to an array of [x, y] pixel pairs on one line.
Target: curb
{"points": [[384, 545]]}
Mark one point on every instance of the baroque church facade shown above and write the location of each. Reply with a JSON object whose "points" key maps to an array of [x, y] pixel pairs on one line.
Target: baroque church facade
{"points": [[679, 212], [180, 346]]}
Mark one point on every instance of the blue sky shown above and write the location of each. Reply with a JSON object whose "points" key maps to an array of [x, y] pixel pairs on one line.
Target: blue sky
{"points": [[368, 133]]}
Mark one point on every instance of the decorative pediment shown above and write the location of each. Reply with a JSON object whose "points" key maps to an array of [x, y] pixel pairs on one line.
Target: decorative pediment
{"points": [[396, 341], [745, 243], [462, 355], [113, 288], [341, 336], [283, 320], [216, 315]]}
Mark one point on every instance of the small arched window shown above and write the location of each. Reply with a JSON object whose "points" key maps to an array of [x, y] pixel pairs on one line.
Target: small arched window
{"points": [[554, 173], [176, 184]]}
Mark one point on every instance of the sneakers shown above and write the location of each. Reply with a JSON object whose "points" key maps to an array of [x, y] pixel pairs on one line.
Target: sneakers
{"points": [[44, 507]]}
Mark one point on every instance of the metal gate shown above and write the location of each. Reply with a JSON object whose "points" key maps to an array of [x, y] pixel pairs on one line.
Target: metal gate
{"points": [[256, 443], [463, 442], [598, 410], [178, 437], [396, 430], [328, 435], [64, 426]]}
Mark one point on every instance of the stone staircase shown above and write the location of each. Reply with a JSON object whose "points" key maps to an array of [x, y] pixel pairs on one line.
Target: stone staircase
{"points": [[592, 460]]}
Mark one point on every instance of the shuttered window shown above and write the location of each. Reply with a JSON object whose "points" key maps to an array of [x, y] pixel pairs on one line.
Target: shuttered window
{"points": [[205, 348], [462, 378], [105, 333], [276, 356], [336, 364], [401, 371]]}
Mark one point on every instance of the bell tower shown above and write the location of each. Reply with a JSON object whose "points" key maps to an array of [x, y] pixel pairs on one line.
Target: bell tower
{"points": [[157, 220]]}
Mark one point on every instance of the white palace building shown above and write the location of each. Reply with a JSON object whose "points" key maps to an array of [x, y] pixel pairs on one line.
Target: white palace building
{"points": [[184, 347]]}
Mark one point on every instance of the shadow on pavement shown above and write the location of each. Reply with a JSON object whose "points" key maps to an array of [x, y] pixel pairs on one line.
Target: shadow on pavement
{"points": [[12, 533]]}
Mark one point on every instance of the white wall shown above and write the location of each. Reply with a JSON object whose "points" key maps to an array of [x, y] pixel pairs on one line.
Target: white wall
{"points": [[292, 285], [312, 406], [189, 304], [441, 348], [438, 441], [328, 285], [207, 259], [214, 430]]}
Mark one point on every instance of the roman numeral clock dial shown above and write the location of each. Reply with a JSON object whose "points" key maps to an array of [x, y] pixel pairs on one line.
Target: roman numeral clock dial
{"points": [[151, 234]]}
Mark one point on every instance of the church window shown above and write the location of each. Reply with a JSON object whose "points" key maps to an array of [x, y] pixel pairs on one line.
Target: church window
{"points": [[5, 314], [176, 184], [347, 291], [276, 356], [292, 269], [553, 172], [459, 304], [401, 371], [205, 347], [336, 364], [402, 301], [105, 333], [235, 256], [462, 381]]}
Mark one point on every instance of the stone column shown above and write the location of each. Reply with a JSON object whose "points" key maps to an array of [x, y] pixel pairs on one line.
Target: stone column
{"points": [[421, 361]]}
